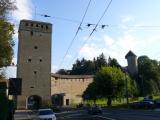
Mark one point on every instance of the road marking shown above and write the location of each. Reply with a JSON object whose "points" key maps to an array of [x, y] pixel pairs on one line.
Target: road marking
{"points": [[107, 118]]}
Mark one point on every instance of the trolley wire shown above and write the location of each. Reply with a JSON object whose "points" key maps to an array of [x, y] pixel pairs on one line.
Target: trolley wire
{"points": [[94, 29]]}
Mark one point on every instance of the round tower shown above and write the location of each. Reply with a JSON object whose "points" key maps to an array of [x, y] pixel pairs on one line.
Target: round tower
{"points": [[132, 63]]}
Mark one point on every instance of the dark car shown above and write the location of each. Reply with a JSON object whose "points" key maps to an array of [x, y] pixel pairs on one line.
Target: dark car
{"points": [[145, 104], [95, 110]]}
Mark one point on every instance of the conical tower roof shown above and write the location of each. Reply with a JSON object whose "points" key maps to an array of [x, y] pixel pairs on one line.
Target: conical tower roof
{"points": [[129, 54]]}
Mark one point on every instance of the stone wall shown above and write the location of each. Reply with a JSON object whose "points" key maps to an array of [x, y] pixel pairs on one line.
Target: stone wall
{"points": [[72, 86]]}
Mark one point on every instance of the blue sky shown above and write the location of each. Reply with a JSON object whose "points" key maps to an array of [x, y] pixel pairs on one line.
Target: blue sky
{"points": [[132, 25]]}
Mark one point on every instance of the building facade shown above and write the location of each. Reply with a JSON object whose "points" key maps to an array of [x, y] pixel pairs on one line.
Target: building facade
{"points": [[68, 89], [34, 62]]}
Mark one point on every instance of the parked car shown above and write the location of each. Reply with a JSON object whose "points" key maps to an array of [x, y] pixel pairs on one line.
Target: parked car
{"points": [[94, 110], [46, 114], [145, 104]]}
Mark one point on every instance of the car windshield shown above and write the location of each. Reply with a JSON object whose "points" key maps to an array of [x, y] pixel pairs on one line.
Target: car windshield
{"points": [[45, 112]]}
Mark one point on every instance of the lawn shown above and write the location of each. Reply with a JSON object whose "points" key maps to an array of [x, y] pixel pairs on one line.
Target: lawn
{"points": [[117, 102]]}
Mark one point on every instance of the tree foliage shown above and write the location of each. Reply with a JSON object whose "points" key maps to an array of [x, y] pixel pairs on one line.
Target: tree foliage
{"points": [[6, 43], [83, 67], [63, 72], [88, 67], [6, 7], [6, 33], [91, 93], [149, 76], [110, 83]]}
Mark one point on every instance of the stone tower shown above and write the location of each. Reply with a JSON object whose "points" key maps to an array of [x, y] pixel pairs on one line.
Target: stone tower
{"points": [[132, 63], [34, 62]]}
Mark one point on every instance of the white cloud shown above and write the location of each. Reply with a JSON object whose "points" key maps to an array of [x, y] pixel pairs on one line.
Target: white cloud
{"points": [[11, 72], [127, 19], [119, 46], [54, 68], [116, 48], [108, 40], [24, 10], [14, 60], [90, 50], [68, 56]]}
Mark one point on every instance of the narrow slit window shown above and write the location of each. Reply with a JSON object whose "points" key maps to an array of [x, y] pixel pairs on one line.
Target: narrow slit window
{"points": [[35, 72], [46, 27], [40, 60], [31, 33], [35, 47], [26, 24], [29, 60]]}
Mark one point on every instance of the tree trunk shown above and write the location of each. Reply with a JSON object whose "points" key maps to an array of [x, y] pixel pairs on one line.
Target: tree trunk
{"points": [[109, 102], [94, 101]]}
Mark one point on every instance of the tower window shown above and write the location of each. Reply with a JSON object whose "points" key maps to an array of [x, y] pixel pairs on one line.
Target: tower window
{"points": [[35, 72], [31, 33], [47, 27], [40, 60], [35, 47], [29, 60], [26, 24]]}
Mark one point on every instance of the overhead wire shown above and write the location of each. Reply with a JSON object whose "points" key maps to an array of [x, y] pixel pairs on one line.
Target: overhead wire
{"points": [[79, 28], [94, 29]]}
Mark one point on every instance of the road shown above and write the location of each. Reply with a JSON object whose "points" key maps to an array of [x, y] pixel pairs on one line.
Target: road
{"points": [[108, 114], [112, 114], [25, 115]]}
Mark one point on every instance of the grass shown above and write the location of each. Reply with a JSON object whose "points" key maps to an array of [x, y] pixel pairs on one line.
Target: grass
{"points": [[118, 103], [156, 97]]}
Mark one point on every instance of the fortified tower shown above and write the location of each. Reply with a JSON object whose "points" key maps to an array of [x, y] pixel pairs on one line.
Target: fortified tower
{"points": [[132, 63], [34, 63]]}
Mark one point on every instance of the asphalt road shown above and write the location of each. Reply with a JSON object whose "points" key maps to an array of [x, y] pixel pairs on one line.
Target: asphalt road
{"points": [[25, 115], [111, 114]]}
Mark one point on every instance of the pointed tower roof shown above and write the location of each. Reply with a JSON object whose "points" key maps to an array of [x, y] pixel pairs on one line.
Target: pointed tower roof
{"points": [[129, 54]]}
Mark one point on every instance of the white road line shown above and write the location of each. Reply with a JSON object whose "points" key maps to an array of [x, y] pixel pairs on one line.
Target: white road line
{"points": [[107, 118]]}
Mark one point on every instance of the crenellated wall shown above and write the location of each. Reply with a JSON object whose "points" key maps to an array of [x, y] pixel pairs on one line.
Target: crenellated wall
{"points": [[72, 86]]}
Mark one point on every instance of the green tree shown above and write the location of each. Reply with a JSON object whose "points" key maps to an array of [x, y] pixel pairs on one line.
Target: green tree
{"points": [[111, 83], [63, 72], [113, 63], [6, 33], [6, 43], [83, 67], [91, 93], [149, 76], [6, 7], [88, 67], [100, 62]]}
